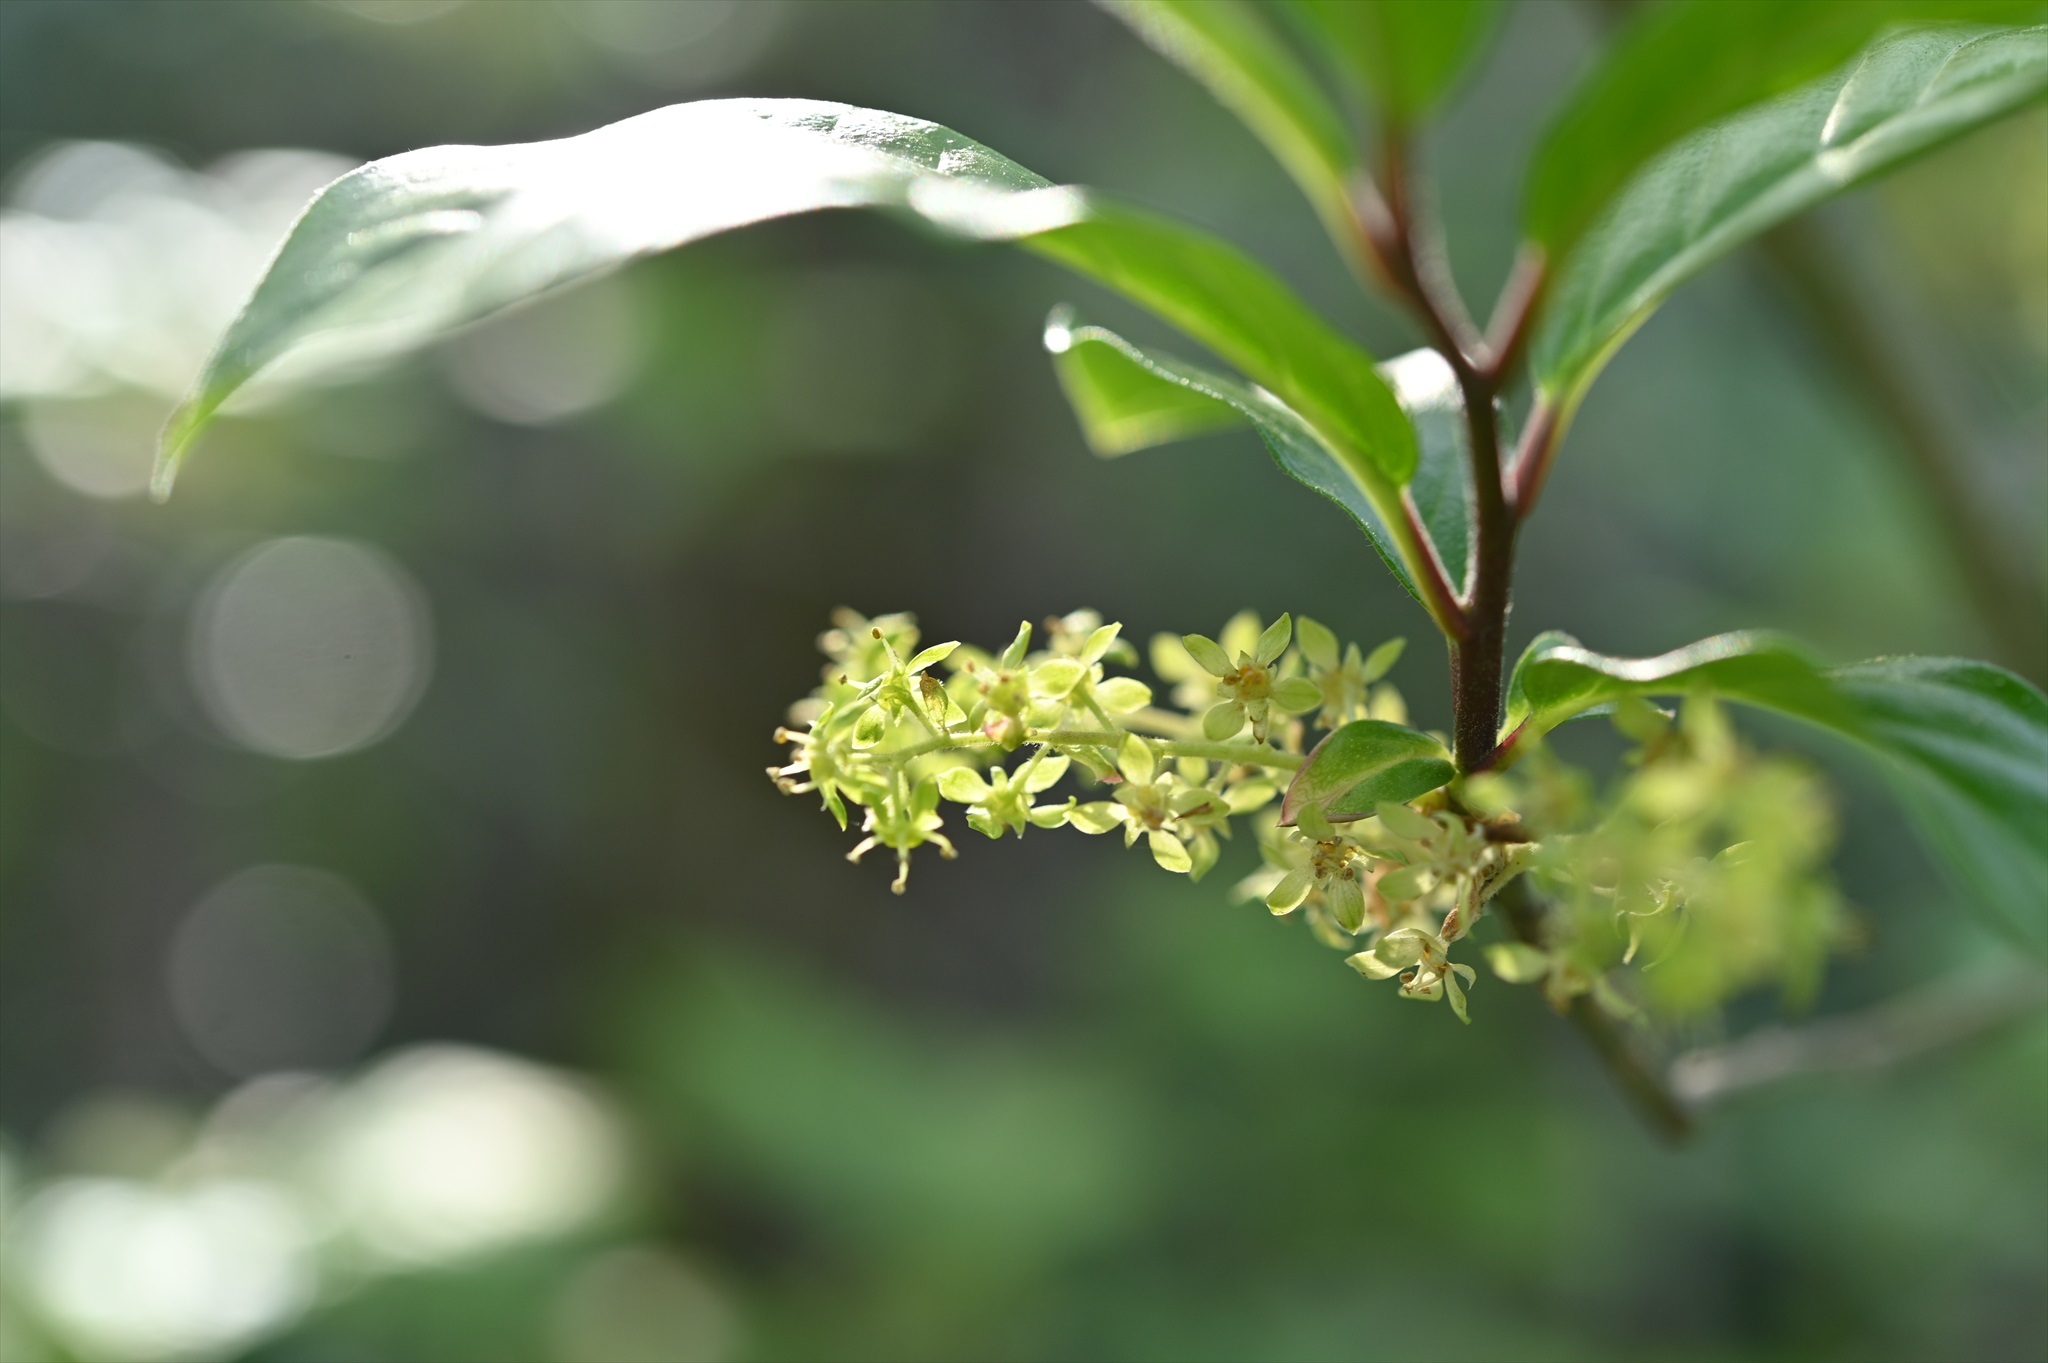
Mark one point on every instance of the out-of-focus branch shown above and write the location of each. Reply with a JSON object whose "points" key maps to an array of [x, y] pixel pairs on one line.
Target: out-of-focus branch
{"points": [[2004, 594], [1930, 1019], [1626, 1062]]}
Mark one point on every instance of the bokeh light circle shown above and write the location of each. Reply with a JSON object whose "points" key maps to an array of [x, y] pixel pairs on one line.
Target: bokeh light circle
{"points": [[280, 967], [310, 647]]}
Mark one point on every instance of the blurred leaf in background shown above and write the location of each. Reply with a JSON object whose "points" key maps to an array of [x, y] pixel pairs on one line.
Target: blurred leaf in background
{"points": [[423, 970]]}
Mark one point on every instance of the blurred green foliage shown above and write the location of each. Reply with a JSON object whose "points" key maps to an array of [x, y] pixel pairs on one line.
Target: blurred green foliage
{"points": [[1047, 1104]]}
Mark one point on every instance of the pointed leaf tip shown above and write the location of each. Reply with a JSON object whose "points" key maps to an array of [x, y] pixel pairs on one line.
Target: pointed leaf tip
{"points": [[180, 430]]}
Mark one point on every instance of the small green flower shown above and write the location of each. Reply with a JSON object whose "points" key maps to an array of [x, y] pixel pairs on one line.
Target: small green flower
{"points": [[998, 803], [1335, 870], [1344, 681], [860, 648], [1251, 688], [1076, 632], [1179, 820], [826, 759], [901, 821], [1422, 961]]}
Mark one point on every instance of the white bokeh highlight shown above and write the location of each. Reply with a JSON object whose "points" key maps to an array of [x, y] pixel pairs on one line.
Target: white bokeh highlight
{"points": [[125, 1270], [280, 967], [309, 647], [447, 1152]]}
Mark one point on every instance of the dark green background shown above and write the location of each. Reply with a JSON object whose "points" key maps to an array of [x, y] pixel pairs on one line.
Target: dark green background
{"points": [[1051, 1103]]}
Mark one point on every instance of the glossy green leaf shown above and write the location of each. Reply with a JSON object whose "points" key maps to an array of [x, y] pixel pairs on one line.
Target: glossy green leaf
{"points": [[1366, 762], [1404, 54], [1228, 47], [1966, 743], [1678, 67], [403, 250], [1129, 399], [1718, 188]]}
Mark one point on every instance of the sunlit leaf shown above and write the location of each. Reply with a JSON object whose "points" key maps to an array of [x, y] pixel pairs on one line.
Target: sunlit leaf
{"points": [[1128, 399], [1966, 743], [1677, 67], [403, 250], [1405, 54], [1362, 764], [1718, 188]]}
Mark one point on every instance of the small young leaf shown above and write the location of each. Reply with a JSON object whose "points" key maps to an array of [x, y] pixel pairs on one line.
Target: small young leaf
{"points": [[1130, 399], [1678, 67], [1721, 187], [1365, 762]]}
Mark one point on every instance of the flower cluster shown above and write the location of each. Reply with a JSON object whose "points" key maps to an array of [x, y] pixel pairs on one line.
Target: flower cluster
{"points": [[1394, 891], [1702, 845], [897, 732]]}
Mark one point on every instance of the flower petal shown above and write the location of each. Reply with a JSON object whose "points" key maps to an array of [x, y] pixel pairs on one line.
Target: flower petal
{"points": [[1274, 641], [1208, 653], [1286, 897], [1170, 852], [1316, 642], [1223, 721]]}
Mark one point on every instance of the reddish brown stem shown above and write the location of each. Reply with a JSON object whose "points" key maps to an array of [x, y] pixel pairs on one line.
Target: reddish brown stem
{"points": [[1483, 366], [1533, 457], [1436, 581], [1514, 315]]}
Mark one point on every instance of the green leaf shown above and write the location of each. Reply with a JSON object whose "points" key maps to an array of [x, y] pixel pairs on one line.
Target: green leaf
{"points": [[1229, 49], [1678, 67], [1966, 743], [1231, 304], [403, 250], [1718, 188], [1130, 399], [1127, 401], [1404, 54], [1360, 765]]}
